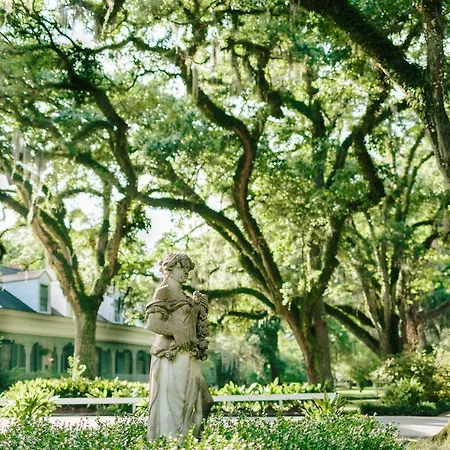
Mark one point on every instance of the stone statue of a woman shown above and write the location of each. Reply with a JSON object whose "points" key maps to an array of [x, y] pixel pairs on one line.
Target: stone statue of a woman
{"points": [[179, 395]]}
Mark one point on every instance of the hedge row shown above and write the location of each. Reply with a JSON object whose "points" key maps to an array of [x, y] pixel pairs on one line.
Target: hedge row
{"points": [[334, 432]]}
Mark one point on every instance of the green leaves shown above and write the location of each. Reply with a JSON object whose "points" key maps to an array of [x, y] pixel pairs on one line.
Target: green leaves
{"points": [[26, 403], [336, 432]]}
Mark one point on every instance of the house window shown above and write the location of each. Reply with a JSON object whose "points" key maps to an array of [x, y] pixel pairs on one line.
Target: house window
{"points": [[43, 298]]}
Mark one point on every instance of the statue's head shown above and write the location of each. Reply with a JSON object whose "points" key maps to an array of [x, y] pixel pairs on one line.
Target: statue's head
{"points": [[179, 260]]}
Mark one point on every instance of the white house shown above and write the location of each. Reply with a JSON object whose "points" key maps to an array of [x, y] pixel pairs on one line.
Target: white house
{"points": [[37, 329]]}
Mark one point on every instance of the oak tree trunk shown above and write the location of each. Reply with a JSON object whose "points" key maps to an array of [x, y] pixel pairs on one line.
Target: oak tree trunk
{"points": [[311, 333], [85, 328]]}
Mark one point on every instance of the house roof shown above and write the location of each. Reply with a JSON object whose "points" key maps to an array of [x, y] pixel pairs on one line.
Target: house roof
{"points": [[9, 301], [55, 312], [22, 276], [6, 270]]}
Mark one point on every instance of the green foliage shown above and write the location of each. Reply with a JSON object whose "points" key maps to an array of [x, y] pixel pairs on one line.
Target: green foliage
{"points": [[322, 408], [76, 369], [274, 387], [414, 377], [359, 371], [83, 387], [423, 409], [335, 432], [25, 403], [271, 388], [405, 391]]}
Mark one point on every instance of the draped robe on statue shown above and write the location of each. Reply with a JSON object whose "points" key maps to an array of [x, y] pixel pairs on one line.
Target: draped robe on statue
{"points": [[179, 396]]}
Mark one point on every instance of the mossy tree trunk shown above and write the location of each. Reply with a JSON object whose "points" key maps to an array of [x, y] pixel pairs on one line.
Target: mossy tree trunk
{"points": [[85, 329]]}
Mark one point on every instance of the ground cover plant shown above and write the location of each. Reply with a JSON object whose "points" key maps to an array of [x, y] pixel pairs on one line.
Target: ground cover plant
{"points": [[332, 432]]}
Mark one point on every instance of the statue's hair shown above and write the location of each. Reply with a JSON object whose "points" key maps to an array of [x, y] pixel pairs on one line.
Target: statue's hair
{"points": [[169, 262]]}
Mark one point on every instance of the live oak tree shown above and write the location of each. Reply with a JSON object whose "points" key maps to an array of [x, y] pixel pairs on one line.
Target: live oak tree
{"points": [[82, 244], [376, 28], [289, 134], [292, 143], [255, 80], [52, 154]]}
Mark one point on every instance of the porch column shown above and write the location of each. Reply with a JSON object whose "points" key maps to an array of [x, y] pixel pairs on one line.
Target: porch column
{"points": [[134, 353], [113, 362], [28, 347], [59, 351]]}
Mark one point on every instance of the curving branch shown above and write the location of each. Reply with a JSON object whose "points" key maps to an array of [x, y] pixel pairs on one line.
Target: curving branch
{"points": [[348, 322], [227, 293], [356, 314], [219, 222], [391, 58], [330, 261]]}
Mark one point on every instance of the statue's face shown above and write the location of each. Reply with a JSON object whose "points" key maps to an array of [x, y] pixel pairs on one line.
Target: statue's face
{"points": [[180, 273]]}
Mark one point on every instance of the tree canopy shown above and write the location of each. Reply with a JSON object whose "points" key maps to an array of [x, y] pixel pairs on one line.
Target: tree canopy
{"points": [[280, 124]]}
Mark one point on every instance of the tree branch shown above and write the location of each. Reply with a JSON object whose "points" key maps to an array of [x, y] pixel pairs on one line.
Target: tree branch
{"points": [[227, 293], [362, 334], [219, 222], [391, 59]]}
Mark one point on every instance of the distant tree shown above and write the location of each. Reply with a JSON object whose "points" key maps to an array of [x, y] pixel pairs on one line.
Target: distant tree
{"points": [[82, 242], [391, 249]]}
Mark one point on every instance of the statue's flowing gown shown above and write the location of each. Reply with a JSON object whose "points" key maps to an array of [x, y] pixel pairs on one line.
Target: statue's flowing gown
{"points": [[175, 396]]}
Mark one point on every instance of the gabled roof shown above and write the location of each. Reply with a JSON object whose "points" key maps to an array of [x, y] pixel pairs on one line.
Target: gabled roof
{"points": [[55, 312], [9, 301], [6, 270], [22, 276]]}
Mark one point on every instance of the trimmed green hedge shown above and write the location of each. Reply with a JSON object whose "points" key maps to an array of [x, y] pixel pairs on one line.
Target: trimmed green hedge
{"points": [[423, 409], [334, 432]]}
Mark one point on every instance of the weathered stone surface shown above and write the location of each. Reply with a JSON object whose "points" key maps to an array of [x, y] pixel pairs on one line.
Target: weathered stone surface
{"points": [[179, 395]]}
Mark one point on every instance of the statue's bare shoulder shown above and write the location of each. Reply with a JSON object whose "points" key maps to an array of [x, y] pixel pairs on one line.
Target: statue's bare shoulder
{"points": [[162, 293]]}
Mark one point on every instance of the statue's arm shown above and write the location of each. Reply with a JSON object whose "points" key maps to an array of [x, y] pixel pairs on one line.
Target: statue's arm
{"points": [[162, 321]]}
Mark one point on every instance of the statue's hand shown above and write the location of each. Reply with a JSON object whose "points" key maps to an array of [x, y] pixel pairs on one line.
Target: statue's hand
{"points": [[199, 297]]}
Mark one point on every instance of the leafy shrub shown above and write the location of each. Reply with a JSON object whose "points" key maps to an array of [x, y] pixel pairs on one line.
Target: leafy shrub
{"points": [[84, 387], [322, 408], [255, 389], [25, 403], [335, 432], [271, 388], [406, 391], [76, 369], [429, 379]]}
